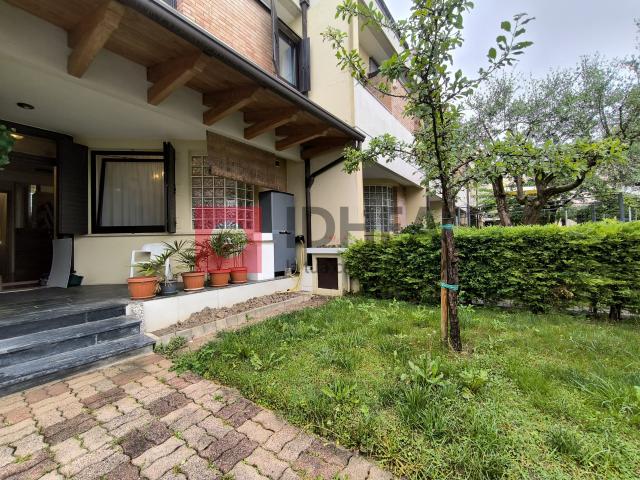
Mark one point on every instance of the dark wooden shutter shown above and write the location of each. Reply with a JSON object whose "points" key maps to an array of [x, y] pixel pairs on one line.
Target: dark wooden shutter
{"points": [[72, 188], [275, 35], [170, 185], [304, 63]]}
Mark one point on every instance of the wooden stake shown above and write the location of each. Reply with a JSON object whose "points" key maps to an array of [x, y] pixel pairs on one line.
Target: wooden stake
{"points": [[444, 304]]}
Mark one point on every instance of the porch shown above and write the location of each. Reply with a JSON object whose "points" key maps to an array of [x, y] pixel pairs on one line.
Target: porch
{"points": [[49, 332]]}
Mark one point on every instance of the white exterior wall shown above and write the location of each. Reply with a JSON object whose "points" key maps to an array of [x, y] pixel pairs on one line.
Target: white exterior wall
{"points": [[373, 119]]}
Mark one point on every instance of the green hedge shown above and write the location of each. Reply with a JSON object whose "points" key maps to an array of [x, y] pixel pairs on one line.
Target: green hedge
{"points": [[594, 264]]}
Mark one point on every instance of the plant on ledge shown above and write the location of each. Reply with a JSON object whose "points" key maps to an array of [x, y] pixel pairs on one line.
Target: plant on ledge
{"points": [[239, 242], [192, 256], [221, 248]]}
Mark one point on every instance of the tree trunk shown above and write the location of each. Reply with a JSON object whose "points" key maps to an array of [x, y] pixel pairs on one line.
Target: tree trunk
{"points": [[532, 210], [615, 312], [500, 197], [450, 273]]}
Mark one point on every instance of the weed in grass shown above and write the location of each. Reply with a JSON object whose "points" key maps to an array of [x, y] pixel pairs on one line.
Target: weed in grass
{"points": [[170, 348], [565, 442]]}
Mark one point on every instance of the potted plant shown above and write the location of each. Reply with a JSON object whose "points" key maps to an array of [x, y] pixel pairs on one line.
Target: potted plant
{"points": [[146, 284], [191, 257], [239, 242], [220, 246]]}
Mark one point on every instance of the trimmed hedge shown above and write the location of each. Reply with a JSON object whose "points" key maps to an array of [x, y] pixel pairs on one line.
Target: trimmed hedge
{"points": [[593, 264]]}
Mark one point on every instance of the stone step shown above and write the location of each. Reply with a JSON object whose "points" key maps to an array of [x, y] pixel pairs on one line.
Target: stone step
{"points": [[36, 345], [49, 319], [28, 374]]}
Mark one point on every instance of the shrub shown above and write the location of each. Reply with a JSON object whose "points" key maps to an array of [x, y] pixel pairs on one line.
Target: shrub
{"points": [[593, 264]]}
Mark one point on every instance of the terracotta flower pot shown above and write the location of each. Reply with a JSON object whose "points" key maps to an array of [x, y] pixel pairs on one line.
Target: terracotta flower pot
{"points": [[193, 281], [142, 287], [239, 275], [219, 278]]}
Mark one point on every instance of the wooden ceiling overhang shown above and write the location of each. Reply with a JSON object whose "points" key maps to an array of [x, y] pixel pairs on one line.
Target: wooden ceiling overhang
{"points": [[177, 53]]}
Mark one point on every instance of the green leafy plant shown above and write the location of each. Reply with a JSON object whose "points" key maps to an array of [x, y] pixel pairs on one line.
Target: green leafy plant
{"points": [[170, 348], [260, 364], [473, 380], [239, 241], [221, 246], [537, 267]]}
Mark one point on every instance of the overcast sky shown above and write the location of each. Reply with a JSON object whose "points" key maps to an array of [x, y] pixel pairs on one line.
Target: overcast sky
{"points": [[563, 30]]}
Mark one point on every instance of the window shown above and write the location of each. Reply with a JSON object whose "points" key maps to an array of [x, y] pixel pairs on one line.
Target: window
{"points": [[379, 208], [218, 202], [171, 3], [129, 192], [288, 61]]}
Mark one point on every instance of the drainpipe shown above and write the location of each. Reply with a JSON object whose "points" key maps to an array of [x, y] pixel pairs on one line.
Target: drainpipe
{"points": [[308, 180], [304, 6], [305, 52]]}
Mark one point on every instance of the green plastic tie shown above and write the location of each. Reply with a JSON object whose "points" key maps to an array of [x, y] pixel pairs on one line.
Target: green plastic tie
{"points": [[449, 286], [448, 226]]}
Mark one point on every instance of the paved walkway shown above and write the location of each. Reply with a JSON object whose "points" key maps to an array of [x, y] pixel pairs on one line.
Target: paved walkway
{"points": [[139, 420]]}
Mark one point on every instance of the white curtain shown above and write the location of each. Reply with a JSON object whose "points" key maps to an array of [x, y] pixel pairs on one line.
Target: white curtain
{"points": [[133, 194]]}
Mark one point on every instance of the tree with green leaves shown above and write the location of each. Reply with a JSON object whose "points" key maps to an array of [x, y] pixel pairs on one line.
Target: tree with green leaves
{"points": [[435, 92], [553, 134]]}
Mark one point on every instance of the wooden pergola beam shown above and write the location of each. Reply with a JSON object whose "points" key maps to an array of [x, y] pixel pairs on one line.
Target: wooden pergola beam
{"points": [[297, 139], [90, 35], [265, 122], [224, 103], [173, 74], [323, 145]]}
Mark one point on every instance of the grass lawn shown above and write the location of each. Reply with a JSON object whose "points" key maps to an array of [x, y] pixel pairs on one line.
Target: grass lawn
{"points": [[533, 396]]}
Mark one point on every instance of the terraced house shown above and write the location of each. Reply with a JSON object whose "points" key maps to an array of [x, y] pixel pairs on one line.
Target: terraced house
{"points": [[141, 121]]}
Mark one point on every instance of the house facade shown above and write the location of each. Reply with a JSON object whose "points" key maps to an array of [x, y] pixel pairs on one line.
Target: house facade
{"points": [[134, 117]]}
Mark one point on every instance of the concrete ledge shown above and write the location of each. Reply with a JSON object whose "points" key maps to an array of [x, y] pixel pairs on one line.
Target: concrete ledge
{"points": [[229, 323], [163, 312]]}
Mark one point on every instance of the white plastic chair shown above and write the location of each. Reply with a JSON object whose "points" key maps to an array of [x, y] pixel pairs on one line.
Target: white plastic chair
{"points": [[148, 252]]}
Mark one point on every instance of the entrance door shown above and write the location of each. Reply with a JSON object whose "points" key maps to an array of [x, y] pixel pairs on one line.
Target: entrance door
{"points": [[27, 216]]}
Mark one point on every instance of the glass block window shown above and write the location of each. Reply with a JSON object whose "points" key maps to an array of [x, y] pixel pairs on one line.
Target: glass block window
{"points": [[379, 208], [218, 202]]}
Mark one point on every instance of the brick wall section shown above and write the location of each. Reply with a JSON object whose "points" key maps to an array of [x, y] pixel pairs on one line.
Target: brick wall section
{"points": [[394, 105], [244, 25]]}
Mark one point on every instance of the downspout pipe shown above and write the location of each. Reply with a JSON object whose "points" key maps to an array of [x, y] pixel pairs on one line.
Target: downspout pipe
{"points": [[203, 40]]}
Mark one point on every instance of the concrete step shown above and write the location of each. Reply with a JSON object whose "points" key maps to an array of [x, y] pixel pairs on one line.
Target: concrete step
{"points": [[28, 374], [49, 319], [36, 345]]}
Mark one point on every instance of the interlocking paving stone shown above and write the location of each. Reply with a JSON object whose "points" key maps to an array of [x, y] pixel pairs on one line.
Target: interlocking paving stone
{"points": [[242, 471], [34, 467], [168, 404], [292, 450], [279, 439], [238, 412], [254, 431], [141, 439], [357, 469], [28, 445], [267, 463], [215, 426], [124, 471], [197, 468], [315, 466], [330, 452], [61, 431], [141, 420], [104, 398], [233, 455]]}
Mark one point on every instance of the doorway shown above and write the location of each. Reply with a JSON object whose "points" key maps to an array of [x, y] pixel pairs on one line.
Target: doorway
{"points": [[27, 212]]}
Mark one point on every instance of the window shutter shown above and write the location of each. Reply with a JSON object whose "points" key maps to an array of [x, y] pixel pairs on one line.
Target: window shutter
{"points": [[305, 65], [72, 188], [275, 35], [170, 185]]}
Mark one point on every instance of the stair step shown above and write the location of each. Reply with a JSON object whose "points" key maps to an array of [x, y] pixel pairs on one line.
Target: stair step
{"points": [[27, 374], [50, 342], [58, 318]]}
